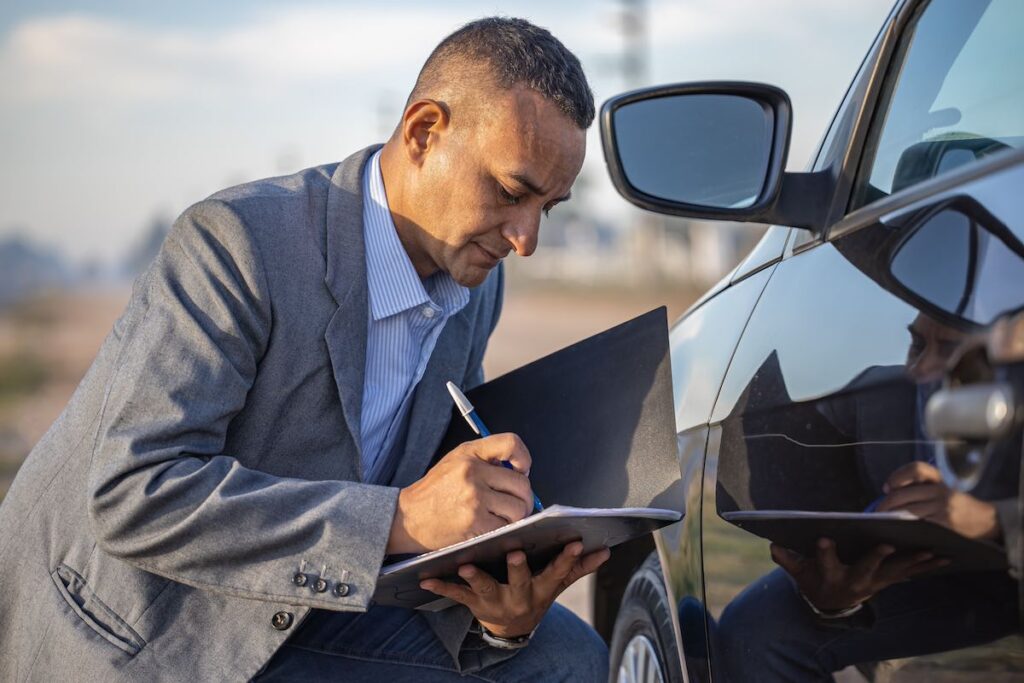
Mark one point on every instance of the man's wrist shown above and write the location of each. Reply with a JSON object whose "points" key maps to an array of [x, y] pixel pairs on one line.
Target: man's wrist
{"points": [[841, 613], [503, 642], [400, 542]]}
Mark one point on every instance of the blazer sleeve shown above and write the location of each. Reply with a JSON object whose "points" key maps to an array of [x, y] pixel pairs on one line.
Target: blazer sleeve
{"points": [[163, 494]]}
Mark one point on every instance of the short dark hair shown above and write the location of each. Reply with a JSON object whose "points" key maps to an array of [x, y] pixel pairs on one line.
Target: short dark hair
{"points": [[517, 53]]}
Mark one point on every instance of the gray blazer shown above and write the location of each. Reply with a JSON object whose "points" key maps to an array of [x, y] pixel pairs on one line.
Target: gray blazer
{"points": [[212, 451]]}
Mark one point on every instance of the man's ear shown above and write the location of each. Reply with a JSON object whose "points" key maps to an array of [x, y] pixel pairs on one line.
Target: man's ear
{"points": [[422, 123]]}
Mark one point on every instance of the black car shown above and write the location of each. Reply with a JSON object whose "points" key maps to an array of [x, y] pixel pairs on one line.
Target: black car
{"points": [[867, 357]]}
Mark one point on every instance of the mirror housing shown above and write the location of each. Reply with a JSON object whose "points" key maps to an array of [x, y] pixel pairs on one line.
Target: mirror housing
{"points": [[794, 199]]}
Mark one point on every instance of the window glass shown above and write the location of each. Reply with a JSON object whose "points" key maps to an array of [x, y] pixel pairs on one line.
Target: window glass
{"points": [[958, 97]]}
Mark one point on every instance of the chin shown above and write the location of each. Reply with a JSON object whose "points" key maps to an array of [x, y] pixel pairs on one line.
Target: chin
{"points": [[470, 277]]}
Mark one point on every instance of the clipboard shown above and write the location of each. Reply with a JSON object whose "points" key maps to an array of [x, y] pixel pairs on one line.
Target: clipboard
{"points": [[541, 536], [856, 533], [599, 421]]}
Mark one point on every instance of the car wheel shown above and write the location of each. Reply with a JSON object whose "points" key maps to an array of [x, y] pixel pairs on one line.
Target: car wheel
{"points": [[643, 646]]}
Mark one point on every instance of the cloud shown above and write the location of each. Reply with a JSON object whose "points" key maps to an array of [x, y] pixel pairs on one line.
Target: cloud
{"points": [[81, 57], [73, 57]]}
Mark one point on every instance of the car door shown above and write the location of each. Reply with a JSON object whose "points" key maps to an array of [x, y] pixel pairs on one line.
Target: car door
{"points": [[825, 397]]}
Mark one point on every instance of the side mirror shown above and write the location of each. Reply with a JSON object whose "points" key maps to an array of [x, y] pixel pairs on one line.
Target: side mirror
{"points": [[709, 150], [962, 263]]}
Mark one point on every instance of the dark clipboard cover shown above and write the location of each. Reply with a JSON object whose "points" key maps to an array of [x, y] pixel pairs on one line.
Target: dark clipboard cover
{"points": [[856, 533], [542, 536], [599, 421]]}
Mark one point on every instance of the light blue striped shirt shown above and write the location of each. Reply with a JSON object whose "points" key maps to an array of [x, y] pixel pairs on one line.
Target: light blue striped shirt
{"points": [[406, 317]]}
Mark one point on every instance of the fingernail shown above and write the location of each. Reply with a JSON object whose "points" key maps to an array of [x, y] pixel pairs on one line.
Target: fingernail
{"points": [[466, 572], [823, 543], [576, 550], [516, 559], [885, 488]]}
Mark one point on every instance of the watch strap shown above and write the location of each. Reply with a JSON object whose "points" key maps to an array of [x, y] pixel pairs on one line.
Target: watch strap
{"points": [[503, 643]]}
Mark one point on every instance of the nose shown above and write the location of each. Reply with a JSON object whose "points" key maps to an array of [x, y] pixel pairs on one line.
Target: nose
{"points": [[522, 234]]}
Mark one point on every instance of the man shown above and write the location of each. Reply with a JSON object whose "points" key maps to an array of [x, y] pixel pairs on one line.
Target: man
{"points": [[255, 434]]}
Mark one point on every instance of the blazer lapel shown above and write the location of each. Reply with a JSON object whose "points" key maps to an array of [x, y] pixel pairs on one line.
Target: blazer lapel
{"points": [[345, 254], [432, 406]]}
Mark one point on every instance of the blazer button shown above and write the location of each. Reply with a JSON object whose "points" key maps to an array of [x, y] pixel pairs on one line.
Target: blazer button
{"points": [[282, 620], [319, 586], [300, 579], [341, 590]]}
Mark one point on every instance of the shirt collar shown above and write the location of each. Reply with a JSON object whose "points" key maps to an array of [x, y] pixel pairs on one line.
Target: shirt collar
{"points": [[394, 286]]}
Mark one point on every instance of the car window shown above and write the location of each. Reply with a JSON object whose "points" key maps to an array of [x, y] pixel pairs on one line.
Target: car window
{"points": [[957, 97]]}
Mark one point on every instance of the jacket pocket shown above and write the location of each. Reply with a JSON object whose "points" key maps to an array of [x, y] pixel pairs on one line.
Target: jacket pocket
{"points": [[91, 610]]}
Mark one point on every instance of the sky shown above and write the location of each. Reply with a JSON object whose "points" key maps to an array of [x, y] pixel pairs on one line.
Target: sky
{"points": [[115, 112]]}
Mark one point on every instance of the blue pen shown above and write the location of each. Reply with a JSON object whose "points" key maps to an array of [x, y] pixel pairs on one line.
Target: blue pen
{"points": [[477, 425]]}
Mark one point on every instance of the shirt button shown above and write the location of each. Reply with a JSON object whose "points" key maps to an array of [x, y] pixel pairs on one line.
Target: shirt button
{"points": [[319, 586], [341, 590], [282, 620], [300, 579], [428, 312]]}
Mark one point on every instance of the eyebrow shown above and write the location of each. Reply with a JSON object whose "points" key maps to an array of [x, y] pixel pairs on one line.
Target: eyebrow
{"points": [[534, 188]]}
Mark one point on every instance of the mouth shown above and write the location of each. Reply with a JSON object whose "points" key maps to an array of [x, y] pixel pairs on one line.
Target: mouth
{"points": [[491, 258]]}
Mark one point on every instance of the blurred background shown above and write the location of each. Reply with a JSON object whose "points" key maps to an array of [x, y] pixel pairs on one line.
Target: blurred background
{"points": [[116, 115]]}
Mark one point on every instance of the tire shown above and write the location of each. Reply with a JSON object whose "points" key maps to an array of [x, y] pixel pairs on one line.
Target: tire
{"points": [[643, 648]]}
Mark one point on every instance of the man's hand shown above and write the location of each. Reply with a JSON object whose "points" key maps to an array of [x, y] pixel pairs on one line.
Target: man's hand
{"points": [[831, 585], [515, 609], [467, 493], [918, 488]]}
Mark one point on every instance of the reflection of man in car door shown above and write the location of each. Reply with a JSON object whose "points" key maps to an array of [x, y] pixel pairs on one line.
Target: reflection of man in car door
{"points": [[820, 615]]}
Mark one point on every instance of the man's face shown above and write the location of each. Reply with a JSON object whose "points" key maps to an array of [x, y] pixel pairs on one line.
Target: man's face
{"points": [[484, 186], [931, 346]]}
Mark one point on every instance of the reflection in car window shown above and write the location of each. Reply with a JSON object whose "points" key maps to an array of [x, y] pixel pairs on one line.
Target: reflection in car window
{"points": [[958, 97]]}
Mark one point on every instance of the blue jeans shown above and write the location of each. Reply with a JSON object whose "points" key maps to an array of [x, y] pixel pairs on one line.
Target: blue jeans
{"points": [[767, 633], [395, 645]]}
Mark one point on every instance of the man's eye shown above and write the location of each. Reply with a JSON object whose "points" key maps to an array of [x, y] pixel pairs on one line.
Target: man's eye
{"points": [[507, 196]]}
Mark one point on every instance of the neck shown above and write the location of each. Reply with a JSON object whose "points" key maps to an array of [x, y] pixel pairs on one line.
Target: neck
{"points": [[396, 189]]}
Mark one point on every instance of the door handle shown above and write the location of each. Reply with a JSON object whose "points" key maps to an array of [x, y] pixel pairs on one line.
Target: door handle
{"points": [[975, 412]]}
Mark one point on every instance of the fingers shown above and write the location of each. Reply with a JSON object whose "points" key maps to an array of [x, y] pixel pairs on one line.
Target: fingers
{"points": [[927, 566], [510, 483], [900, 498], [587, 564], [509, 508], [932, 510], [558, 569], [868, 566], [480, 583], [460, 594], [499, 448], [912, 473], [519, 575], [570, 566], [906, 565]]}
